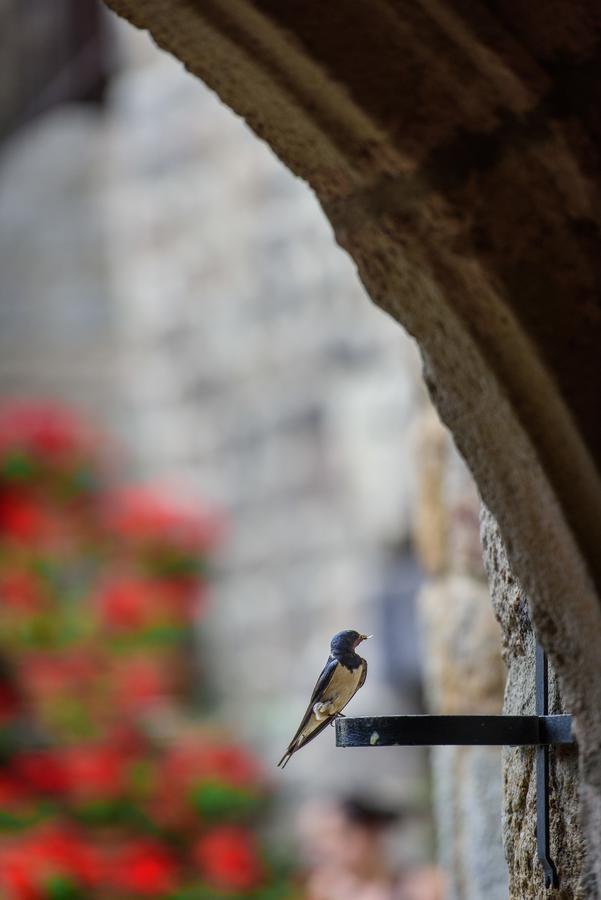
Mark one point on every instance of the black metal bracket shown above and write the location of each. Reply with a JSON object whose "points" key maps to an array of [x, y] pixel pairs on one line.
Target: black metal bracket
{"points": [[540, 731], [432, 731]]}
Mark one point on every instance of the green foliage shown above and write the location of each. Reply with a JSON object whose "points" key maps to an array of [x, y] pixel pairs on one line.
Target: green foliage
{"points": [[218, 801]]}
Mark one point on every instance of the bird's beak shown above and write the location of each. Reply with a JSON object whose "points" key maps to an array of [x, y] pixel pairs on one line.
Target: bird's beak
{"points": [[365, 637]]}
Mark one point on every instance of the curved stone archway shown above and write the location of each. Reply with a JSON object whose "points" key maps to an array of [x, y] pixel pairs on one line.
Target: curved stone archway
{"points": [[455, 149]]}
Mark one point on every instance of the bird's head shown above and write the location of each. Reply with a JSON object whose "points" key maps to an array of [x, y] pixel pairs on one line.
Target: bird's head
{"points": [[346, 642]]}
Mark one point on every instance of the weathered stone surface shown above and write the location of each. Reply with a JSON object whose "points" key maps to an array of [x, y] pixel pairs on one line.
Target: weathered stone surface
{"points": [[468, 804], [519, 804], [464, 671], [55, 310], [431, 519], [455, 148]]}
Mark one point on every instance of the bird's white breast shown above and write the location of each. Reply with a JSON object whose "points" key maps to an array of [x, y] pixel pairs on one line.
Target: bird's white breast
{"points": [[342, 686]]}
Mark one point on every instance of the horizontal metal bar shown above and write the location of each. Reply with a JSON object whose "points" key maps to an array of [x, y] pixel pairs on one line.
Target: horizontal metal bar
{"points": [[387, 731]]}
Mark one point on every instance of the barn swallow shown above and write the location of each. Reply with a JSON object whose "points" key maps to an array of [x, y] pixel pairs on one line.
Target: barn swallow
{"points": [[343, 674]]}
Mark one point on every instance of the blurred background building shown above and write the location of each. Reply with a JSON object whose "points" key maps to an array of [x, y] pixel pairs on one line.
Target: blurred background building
{"points": [[164, 272]]}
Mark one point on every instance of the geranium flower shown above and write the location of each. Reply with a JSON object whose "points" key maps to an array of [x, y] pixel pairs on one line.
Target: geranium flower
{"points": [[86, 591], [31, 866], [151, 513], [22, 517], [142, 680], [20, 805], [127, 605], [42, 427], [19, 588], [228, 859], [143, 868], [201, 778], [50, 678], [130, 604], [10, 699], [13, 793], [17, 875], [42, 771], [95, 772], [43, 443], [205, 758], [68, 853], [171, 538]]}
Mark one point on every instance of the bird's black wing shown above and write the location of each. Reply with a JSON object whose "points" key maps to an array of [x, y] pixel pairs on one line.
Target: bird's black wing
{"points": [[322, 682], [318, 691], [363, 675]]}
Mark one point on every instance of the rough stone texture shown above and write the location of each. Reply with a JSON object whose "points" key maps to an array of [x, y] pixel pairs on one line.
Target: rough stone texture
{"points": [[468, 798], [464, 672], [431, 524], [519, 820], [463, 663], [455, 148]]}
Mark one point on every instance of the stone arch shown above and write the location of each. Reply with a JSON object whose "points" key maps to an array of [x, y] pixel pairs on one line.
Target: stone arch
{"points": [[455, 150]]}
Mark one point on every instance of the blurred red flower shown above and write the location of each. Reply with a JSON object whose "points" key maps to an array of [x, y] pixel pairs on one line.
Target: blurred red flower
{"points": [[144, 868], [151, 515], [127, 605], [96, 597], [10, 700], [23, 518], [142, 680], [12, 790], [42, 771], [69, 852], [46, 676], [20, 807], [206, 780], [130, 604], [228, 858], [94, 772], [44, 428], [44, 447], [203, 759], [28, 867], [19, 588]]}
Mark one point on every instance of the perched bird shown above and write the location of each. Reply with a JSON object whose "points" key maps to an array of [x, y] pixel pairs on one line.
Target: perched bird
{"points": [[343, 674]]}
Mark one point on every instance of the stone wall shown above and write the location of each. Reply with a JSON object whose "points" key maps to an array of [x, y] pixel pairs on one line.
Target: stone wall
{"points": [[463, 667], [56, 328], [519, 802]]}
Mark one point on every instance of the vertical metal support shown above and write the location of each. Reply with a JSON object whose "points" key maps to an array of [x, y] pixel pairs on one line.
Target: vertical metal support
{"points": [[542, 774], [541, 731]]}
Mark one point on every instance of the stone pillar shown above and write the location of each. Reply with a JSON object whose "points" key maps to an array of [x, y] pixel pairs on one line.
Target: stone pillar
{"points": [[463, 667], [519, 803]]}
